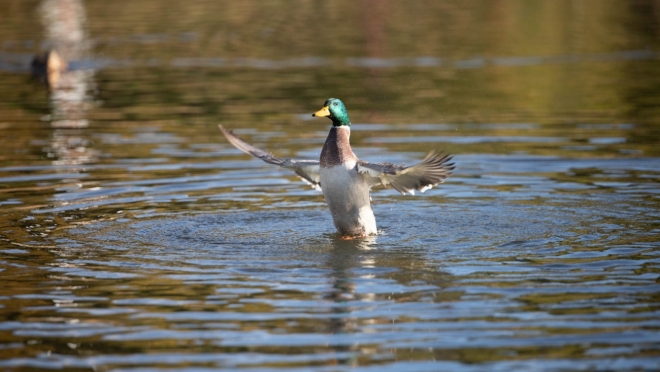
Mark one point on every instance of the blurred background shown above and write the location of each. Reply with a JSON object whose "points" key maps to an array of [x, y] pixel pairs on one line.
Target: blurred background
{"points": [[130, 228], [428, 62]]}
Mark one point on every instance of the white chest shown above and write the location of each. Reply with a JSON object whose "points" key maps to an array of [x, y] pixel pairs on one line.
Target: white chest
{"points": [[341, 182], [348, 198]]}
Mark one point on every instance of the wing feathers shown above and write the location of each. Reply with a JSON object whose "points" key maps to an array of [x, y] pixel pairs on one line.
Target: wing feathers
{"points": [[434, 169], [308, 170]]}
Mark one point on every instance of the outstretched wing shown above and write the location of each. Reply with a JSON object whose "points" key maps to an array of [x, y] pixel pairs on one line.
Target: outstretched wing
{"points": [[434, 169], [308, 170]]}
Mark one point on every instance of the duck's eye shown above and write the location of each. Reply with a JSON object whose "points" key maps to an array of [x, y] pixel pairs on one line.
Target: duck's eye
{"points": [[334, 103]]}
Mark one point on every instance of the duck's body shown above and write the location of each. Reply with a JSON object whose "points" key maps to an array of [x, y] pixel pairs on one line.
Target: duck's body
{"points": [[345, 180], [344, 189]]}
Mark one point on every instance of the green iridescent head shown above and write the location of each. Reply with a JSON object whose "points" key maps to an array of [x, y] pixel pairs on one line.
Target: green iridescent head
{"points": [[336, 111]]}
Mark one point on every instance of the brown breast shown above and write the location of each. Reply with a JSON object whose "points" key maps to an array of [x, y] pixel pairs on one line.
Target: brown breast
{"points": [[337, 147]]}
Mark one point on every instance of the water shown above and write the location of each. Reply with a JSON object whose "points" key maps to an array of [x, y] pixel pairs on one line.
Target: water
{"points": [[133, 237]]}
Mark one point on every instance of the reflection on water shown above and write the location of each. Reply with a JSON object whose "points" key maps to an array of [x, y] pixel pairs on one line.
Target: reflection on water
{"points": [[133, 237], [68, 90], [64, 24], [370, 62]]}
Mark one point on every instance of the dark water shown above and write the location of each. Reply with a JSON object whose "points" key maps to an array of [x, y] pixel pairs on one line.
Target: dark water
{"points": [[133, 237]]}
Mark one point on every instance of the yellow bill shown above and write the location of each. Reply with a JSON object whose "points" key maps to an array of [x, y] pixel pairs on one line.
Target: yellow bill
{"points": [[325, 111]]}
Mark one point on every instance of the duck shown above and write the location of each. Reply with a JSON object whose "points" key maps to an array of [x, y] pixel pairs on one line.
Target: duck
{"points": [[345, 180]]}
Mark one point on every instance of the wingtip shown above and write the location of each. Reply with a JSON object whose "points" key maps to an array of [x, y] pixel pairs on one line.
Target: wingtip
{"points": [[439, 155], [232, 138]]}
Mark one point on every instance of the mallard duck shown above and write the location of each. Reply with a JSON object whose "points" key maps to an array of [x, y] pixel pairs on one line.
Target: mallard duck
{"points": [[345, 180]]}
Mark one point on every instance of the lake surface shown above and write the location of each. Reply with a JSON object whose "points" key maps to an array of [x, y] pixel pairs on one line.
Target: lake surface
{"points": [[134, 237]]}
